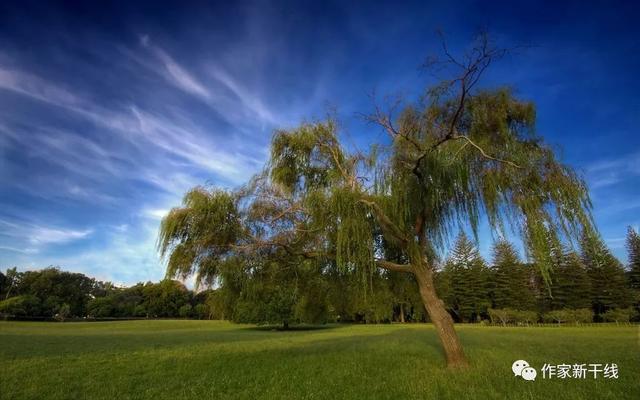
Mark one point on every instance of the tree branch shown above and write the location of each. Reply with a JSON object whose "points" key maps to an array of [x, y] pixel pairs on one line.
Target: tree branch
{"points": [[387, 225], [485, 155], [390, 266]]}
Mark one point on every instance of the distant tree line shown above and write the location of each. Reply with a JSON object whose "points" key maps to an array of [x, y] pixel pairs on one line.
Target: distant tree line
{"points": [[586, 286], [589, 285]]}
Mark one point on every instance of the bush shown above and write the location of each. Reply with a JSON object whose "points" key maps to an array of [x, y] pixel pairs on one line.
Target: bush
{"points": [[525, 317], [140, 311], [200, 311], [508, 315], [558, 316], [581, 315], [21, 306], [100, 307], [499, 315], [185, 311], [619, 315]]}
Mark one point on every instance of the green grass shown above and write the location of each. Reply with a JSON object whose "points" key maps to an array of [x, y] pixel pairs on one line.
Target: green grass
{"points": [[219, 360]]}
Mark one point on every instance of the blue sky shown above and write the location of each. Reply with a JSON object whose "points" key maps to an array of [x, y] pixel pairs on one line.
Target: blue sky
{"points": [[107, 115]]}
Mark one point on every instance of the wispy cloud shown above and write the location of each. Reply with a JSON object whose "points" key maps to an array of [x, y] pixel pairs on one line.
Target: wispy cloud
{"points": [[124, 257], [32, 86], [174, 134], [155, 213], [17, 250], [175, 73], [252, 103], [241, 106], [609, 172], [42, 235]]}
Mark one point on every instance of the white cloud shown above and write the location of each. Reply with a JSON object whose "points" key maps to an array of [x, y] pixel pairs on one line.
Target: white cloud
{"points": [[177, 75], [42, 235], [45, 235], [149, 146], [173, 72], [127, 257], [36, 88], [17, 250], [605, 173], [194, 146], [252, 103], [155, 213]]}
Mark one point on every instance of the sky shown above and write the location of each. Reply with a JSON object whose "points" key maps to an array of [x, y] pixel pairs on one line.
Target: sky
{"points": [[109, 114]]}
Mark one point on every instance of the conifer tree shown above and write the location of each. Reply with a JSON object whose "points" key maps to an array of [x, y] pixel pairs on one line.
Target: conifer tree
{"points": [[469, 281], [608, 280], [571, 286], [510, 283], [633, 248]]}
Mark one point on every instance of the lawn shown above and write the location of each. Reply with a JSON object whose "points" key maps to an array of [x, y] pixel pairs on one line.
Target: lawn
{"points": [[216, 360]]}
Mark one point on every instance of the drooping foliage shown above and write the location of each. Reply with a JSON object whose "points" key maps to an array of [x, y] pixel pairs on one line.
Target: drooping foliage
{"points": [[456, 154], [201, 235], [489, 161]]}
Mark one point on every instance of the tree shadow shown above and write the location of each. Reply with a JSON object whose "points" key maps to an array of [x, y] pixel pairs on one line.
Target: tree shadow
{"points": [[292, 328]]}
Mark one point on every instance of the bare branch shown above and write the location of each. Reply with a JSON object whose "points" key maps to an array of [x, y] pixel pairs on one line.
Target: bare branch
{"points": [[385, 120], [484, 154]]}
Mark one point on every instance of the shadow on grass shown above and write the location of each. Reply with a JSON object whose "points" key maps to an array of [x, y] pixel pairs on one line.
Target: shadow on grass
{"points": [[293, 328]]}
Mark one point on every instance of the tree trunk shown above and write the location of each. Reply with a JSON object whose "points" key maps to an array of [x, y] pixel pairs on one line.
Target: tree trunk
{"points": [[440, 317], [402, 313]]}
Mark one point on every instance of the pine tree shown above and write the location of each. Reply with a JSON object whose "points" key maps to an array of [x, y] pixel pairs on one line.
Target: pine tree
{"points": [[633, 247], [571, 287], [510, 286], [608, 281], [466, 273]]}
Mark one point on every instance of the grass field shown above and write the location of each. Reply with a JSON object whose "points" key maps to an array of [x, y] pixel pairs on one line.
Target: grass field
{"points": [[219, 360]]}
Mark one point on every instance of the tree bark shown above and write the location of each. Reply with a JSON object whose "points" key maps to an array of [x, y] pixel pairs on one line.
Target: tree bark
{"points": [[440, 317], [402, 313]]}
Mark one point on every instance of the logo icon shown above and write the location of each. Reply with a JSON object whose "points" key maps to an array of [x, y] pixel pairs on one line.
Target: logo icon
{"points": [[521, 368]]}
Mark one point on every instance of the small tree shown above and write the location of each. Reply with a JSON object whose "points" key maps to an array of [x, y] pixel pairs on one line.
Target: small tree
{"points": [[185, 311], [581, 316], [101, 307], [63, 312], [619, 315], [499, 315], [200, 311], [558, 316], [526, 317], [456, 154]]}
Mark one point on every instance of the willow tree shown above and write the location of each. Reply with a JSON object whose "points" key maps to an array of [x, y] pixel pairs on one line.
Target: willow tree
{"points": [[459, 153]]}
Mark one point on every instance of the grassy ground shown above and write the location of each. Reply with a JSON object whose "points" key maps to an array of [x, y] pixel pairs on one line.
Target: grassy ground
{"points": [[219, 360]]}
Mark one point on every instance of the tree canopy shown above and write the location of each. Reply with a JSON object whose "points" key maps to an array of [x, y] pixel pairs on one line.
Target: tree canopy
{"points": [[458, 153]]}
